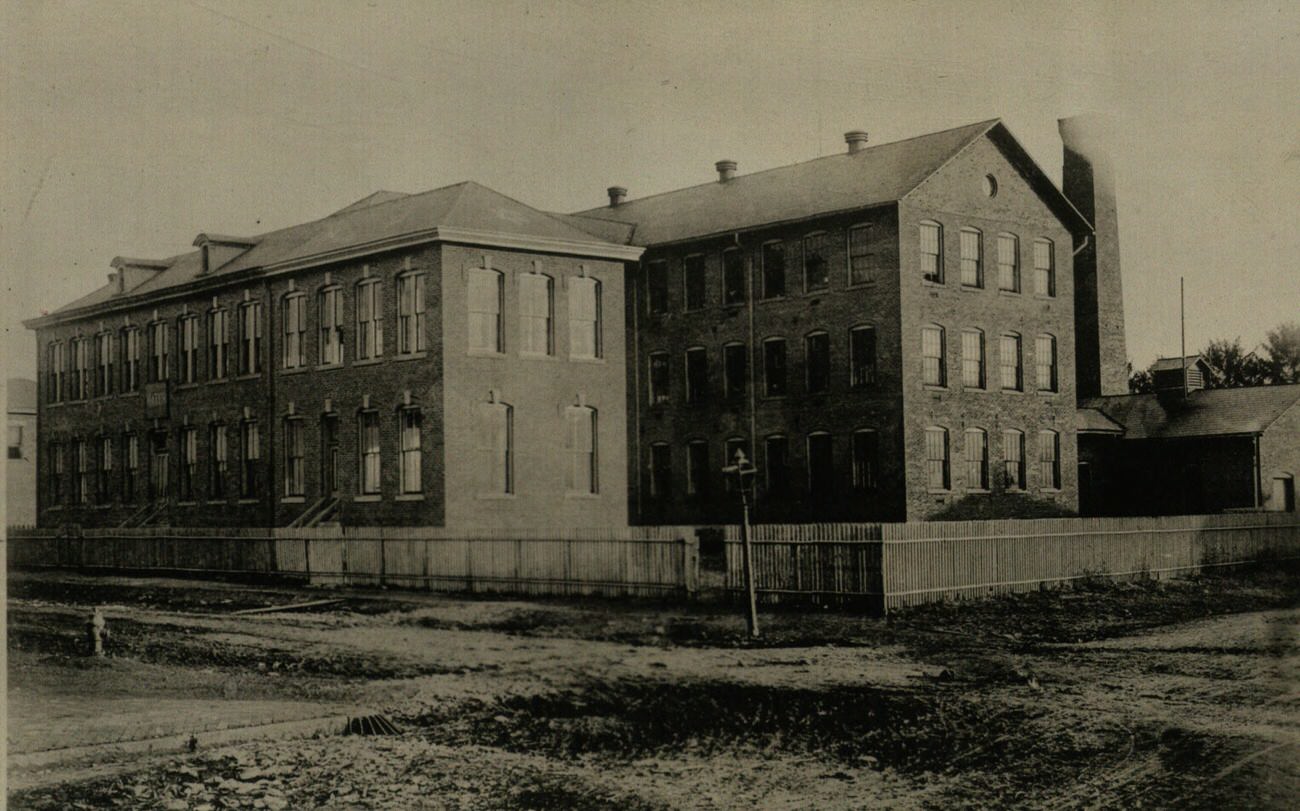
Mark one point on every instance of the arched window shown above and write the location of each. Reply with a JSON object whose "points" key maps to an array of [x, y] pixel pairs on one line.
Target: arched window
{"points": [[496, 447], [934, 363], [409, 421], [695, 281], [1010, 362], [816, 261], [776, 471], [581, 443], [697, 468], [977, 459], [1045, 362], [862, 356], [773, 258], [661, 471], [937, 471], [1013, 459], [735, 370], [370, 318], [817, 361], [866, 459], [1009, 263], [774, 384], [485, 291], [697, 375], [295, 457], [536, 310], [821, 466], [972, 359], [329, 306], [932, 252], [660, 379], [293, 320], [1049, 460], [369, 453], [972, 257], [584, 317]]}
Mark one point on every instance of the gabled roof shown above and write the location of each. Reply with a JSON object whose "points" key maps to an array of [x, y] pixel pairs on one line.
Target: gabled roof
{"points": [[1174, 364], [876, 175], [464, 212], [1205, 412]]}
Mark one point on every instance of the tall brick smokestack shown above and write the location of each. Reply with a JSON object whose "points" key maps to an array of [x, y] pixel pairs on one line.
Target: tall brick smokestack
{"points": [[1101, 358]]}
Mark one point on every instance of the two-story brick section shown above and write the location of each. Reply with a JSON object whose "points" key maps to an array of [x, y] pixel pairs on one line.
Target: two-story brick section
{"points": [[883, 332], [447, 358]]}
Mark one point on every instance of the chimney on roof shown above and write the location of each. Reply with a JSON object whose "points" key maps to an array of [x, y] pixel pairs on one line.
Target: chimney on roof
{"points": [[857, 140], [726, 170], [617, 194]]}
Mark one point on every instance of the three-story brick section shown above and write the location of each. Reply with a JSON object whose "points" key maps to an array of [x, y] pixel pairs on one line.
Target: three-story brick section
{"points": [[313, 382], [915, 302]]}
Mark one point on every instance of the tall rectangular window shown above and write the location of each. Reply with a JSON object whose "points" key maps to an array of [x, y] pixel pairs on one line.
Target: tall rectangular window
{"points": [[485, 293], [295, 452], [189, 329], [776, 466], [218, 457], [15, 441], [81, 368], [1009, 361], [816, 262], [130, 359], [866, 456], [83, 472], [410, 313], [329, 306], [817, 362], [159, 352], [57, 365], [536, 294], [369, 454], [370, 319], [862, 357], [1045, 362], [932, 252], [774, 367], [584, 317], [250, 455], [1044, 268], [934, 365], [661, 471], [131, 461], [735, 371], [496, 447], [1049, 460], [936, 458], [581, 443], [1009, 263], [250, 338], [659, 378], [189, 447], [773, 256], [656, 279], [977, 459], [57, 493], [293, 319], [159, 467], [734, 285], [1013, 460], [104, 469], [694, 281], [697, 468], [104, 364], [218, 344], [821, 467], [972, 359], [697, 375], [972, 258], [861, 258], [412, 454]]}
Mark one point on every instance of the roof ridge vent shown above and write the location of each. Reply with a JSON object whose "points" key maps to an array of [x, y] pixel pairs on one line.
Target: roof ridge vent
{"points": [[726, 170], [857, 140]]}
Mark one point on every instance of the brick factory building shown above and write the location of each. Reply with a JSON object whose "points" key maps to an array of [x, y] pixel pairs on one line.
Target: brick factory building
{"points": [[885, 332]]}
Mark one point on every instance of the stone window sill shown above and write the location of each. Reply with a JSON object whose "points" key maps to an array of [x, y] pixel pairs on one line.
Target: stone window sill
{"points": [[421, 355], [368, 361], [294, 500], [368, 497], [409, 497]]}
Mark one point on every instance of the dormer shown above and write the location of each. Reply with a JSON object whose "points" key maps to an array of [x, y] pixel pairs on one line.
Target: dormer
{"points": [[218, 250], [1167, 374], [130, 273]]}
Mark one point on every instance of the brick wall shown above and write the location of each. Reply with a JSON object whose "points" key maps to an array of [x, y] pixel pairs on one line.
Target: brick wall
{"points": [[1280, 455]]}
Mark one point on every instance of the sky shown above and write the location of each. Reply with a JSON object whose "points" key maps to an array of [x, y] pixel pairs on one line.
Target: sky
{"points": [[130, 127]]}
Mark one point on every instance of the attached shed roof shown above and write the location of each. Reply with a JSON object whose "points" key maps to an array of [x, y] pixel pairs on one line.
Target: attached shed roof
{"points": [[876, 175], [1093, 421], [1205, 412]]}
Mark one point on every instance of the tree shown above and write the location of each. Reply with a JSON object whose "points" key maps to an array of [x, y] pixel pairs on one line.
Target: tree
{"points": [[1233, 367], [1283, 348], [1141, 381]]}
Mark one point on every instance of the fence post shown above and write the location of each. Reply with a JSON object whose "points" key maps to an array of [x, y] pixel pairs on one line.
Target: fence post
{"points": [[691, 563]]}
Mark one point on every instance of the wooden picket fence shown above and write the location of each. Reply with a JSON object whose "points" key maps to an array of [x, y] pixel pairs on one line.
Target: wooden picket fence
{"points": [[640, 561], [886, 566]]}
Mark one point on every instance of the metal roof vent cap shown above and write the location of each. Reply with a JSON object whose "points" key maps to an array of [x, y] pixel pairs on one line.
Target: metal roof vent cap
{"points": [[856, 139], [726, 170], [617, 194]]}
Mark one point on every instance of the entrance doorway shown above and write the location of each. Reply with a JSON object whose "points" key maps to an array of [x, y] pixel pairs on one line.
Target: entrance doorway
{"points": [[329, 443]]}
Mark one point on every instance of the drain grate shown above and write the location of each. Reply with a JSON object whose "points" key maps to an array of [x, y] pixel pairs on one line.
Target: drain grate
{"points": [[371, 725]]}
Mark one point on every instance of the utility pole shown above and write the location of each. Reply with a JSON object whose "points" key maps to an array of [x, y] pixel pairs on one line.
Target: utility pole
{"points": [[1182, 330], [744, 473]]}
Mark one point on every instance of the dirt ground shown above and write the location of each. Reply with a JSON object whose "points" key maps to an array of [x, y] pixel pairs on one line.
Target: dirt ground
{"points": [[1174, 694]]}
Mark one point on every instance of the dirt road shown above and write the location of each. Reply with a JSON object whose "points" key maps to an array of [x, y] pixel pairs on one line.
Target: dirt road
{"points": [[1175, 694]]}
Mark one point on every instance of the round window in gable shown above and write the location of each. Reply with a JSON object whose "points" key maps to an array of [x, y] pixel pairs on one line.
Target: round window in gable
{"points": [[990, 186]]}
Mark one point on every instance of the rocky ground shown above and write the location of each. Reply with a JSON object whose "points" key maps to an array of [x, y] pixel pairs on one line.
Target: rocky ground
{"points": [[1160, 695]]}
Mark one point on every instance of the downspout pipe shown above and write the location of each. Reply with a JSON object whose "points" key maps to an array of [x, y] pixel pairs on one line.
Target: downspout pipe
{"points": [[754, 354]]}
